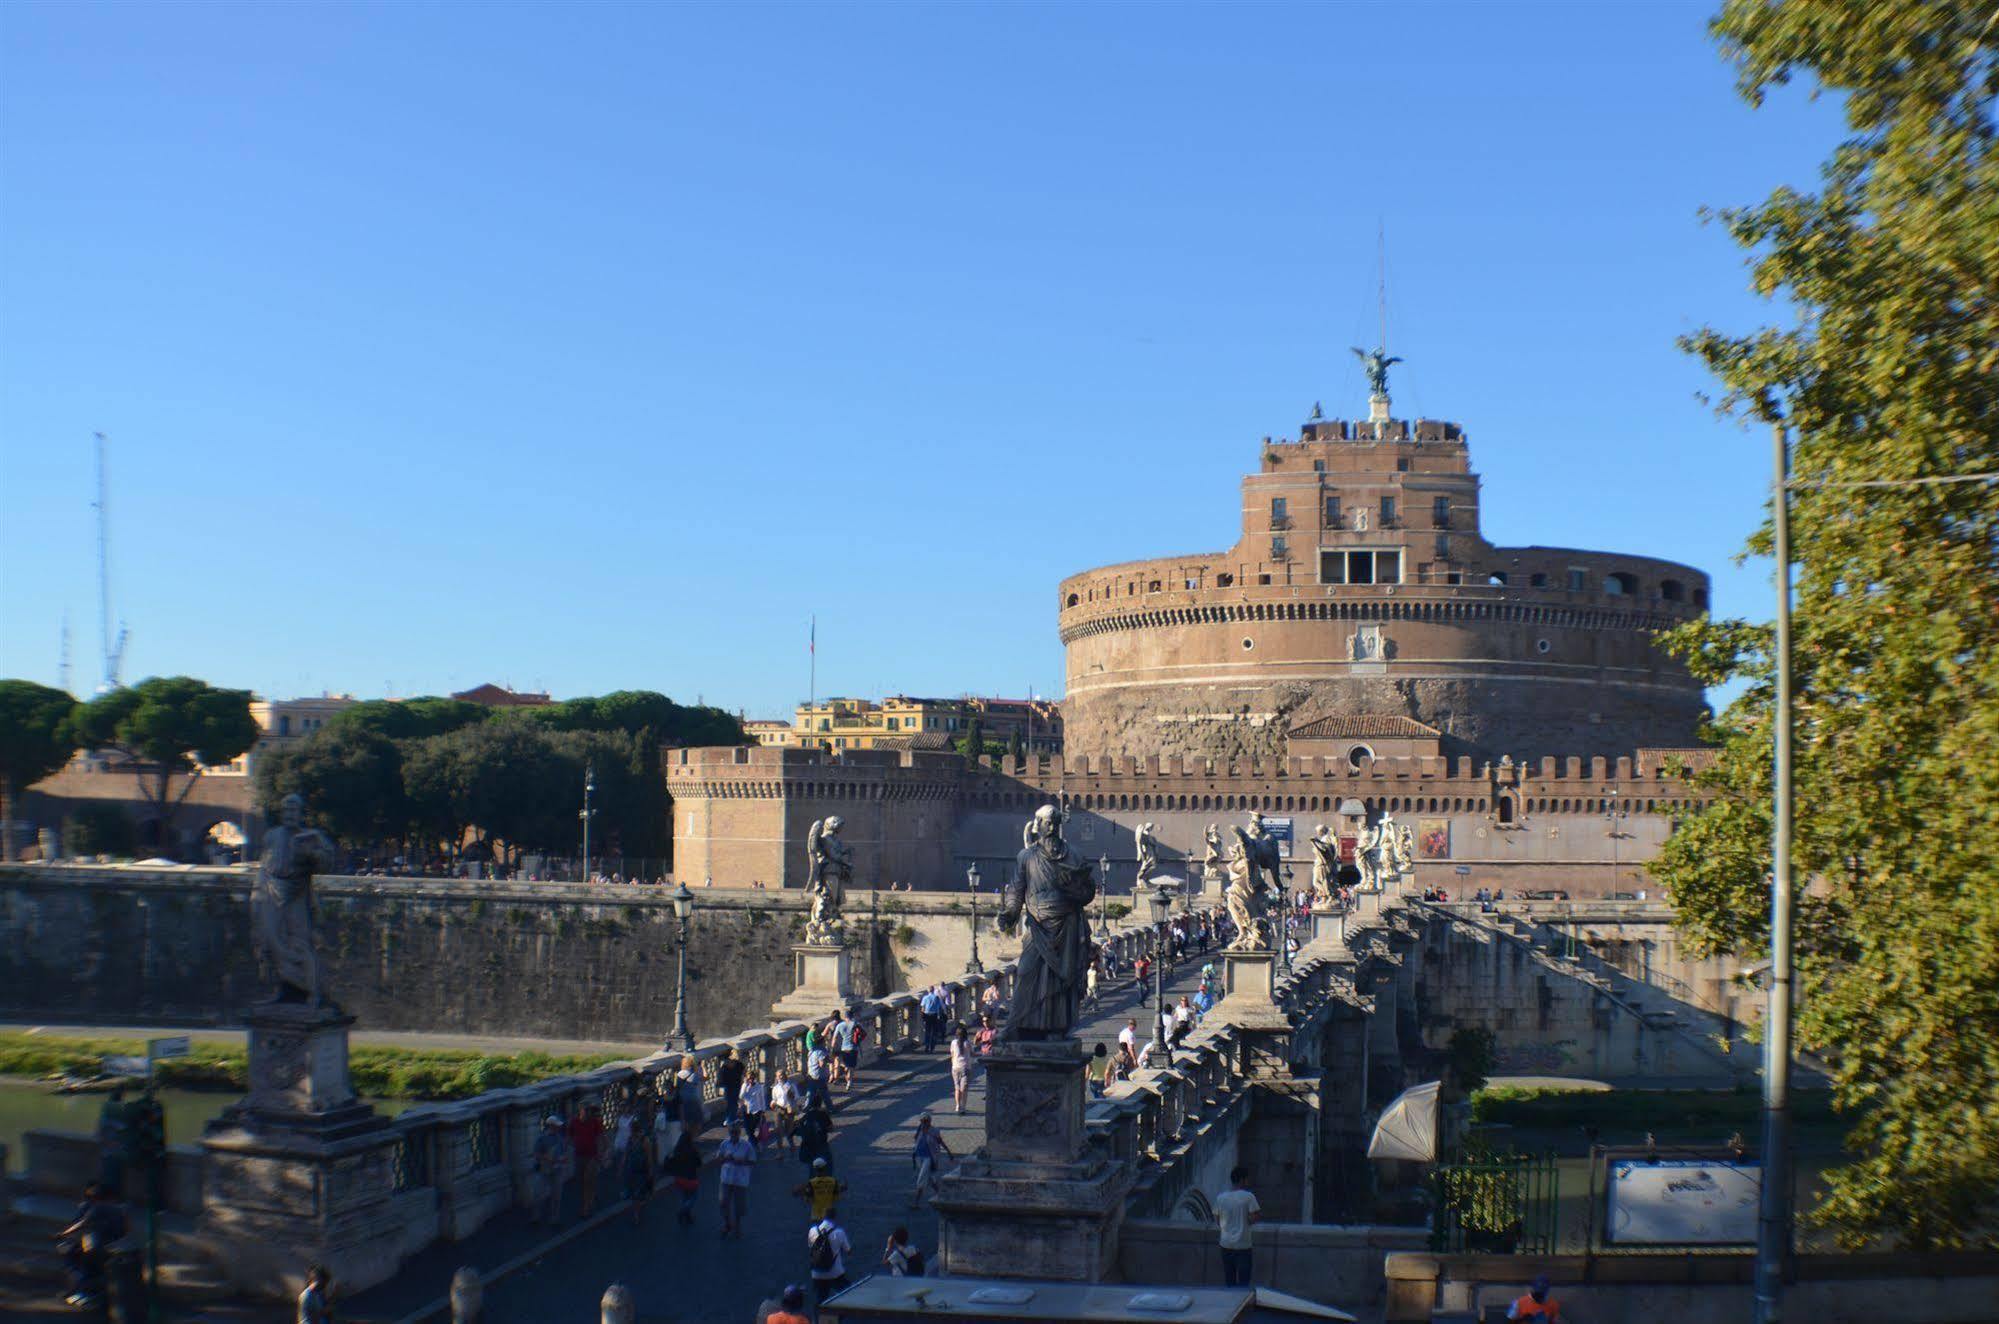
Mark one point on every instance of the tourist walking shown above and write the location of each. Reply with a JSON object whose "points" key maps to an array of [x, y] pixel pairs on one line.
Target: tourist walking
{"points": [[821, 1191], [790, 1307], [85, 1243], [929, 1154], [932, 1007], [551, 1162], [729, 1077], [846, 1050], [683, 1169], [1090, 986], [826, 1250], [815, 1135], [586, 1142], [738, 1158], [755, 1109], [1236, 1210], [785, 1105], [635, 1168], [901, 1259], [962, 1061]]}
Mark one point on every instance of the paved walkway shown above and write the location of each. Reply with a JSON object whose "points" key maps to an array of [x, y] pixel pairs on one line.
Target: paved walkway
{"points": [[691, 1275]]}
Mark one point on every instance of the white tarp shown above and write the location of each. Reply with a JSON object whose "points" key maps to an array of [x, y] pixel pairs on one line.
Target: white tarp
{"points": [[1408, 1127], [1683, 1202]]}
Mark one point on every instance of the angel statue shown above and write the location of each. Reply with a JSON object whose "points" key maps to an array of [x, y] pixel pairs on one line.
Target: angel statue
{"points": [[1405, 850], [1325, 865], [1375, 365], [829, 868], [1211, 863], [1244, 898], [1264, 863], [1368, 857], [1148, 852]]}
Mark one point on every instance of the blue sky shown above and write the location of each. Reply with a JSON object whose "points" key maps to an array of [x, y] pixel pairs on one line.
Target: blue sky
{"points": [[583, 347]]}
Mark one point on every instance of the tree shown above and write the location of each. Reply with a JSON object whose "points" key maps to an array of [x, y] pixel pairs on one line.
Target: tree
{"points": [[350, 777], [169, 726], [975, 740], [1888, 374], [632, 711], [411, 719], [99, 827], [34, 742], [1013, 743]]}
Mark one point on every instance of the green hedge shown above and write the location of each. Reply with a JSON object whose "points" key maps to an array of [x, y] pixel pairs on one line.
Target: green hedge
{"points": [[382, 1073], [1641, 1110]]}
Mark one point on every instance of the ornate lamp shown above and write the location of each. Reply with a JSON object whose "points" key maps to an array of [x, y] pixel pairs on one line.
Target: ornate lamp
{"points": [[683, 911], [974, 966]]}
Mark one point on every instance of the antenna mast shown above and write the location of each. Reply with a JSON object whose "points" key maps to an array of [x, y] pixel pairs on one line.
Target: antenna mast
{"points": [[62, 660], [114, 652], [1381, 269]]}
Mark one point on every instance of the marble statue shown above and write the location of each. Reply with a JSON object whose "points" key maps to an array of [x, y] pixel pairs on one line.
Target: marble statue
{"points": [[1148, 852], [1244, 898], [1376, 366], [1325, 865], [281, 903], [1264, 863], [1367, 857], [829, 868], [1405, 850], [1211, 863], [1048, 897]]}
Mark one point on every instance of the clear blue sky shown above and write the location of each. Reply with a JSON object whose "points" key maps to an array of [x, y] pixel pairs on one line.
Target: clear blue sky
{"points": [[584, 347]]}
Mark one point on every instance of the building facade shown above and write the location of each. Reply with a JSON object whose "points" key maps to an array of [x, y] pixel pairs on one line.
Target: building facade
{"points": [[1361, 587], [901, 721]]}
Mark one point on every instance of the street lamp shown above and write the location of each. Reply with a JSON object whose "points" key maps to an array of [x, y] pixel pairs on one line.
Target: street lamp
{"points": [[683, 910], [1103, 896], [1615, 816], [1161, 900], [974, 966], [586, 813], [1290, 877]]}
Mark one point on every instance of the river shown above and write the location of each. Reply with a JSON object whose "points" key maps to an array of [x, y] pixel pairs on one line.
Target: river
{"points": [[34, 1104]]}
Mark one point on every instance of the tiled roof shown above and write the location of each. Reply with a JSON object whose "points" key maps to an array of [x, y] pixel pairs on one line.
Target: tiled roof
{"points": [[1340, 726]]}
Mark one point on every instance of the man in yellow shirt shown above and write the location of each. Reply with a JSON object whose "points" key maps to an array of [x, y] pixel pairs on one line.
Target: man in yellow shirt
{"points": [[822, 1189]]}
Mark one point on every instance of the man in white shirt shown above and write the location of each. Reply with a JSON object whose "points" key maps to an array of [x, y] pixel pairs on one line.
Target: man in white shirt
{"points": [[1236, 1210], [826, 1249], [1128, 1036]]}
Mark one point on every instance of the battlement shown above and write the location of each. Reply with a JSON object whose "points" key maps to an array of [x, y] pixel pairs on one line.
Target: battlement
{"points": [[708, 759]]}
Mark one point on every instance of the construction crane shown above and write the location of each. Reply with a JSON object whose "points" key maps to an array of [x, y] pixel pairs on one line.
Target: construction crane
{"points": [[114, 651]]}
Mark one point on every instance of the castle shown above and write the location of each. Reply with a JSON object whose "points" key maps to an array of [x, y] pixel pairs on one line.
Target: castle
{"points": [[1362, 642]]}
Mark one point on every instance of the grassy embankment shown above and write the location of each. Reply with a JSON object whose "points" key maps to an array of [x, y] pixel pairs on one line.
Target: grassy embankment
{"points": [[1663, 1112], [382, 1073]]}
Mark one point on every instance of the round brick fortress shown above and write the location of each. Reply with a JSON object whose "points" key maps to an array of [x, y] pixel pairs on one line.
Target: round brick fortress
{"points": [[1362, 589]]}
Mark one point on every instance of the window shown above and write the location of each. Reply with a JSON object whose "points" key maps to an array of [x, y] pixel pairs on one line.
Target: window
{"points": [[1152, 587], [1440, 512], [1279, 550], [1388, 512], [1318, 466], [1359, 757], [1263, 579], [1443, 547], [1280, 512], [1537, 580], [1072, 599], [1578, 579], [1497, 579], [285, 725], [1224, 580], [1402, 464], [1190, 582], [1672, 590], [1332, 512], [1360, 567], [1620, 584], [1700, 597], [1505, 807]]}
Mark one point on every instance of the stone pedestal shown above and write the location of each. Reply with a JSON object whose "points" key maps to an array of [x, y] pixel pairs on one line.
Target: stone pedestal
{"points": [[1035, 1201], [1249, 991], [1377, 409], [822, 983], [1328, 924], [302, 1171]]}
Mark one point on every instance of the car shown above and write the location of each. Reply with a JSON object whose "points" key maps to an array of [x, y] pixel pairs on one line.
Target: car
{"points": [[1546, 894]]}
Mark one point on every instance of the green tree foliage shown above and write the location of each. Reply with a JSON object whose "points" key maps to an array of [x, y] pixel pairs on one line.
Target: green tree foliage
{"points": [[34, 742], [170, 726], [633, 711], [1889, 371], [974, 743], [1013, 748], [411, 719], [351, 778]]}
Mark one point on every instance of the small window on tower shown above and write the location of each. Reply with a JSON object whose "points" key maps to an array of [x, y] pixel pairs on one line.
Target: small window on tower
{"points": [[1388, 512], [1280, 510], [1578, 579], [1443, 547], [1332, 512], [1402, 464], [1440, 512], [1537, 580]]}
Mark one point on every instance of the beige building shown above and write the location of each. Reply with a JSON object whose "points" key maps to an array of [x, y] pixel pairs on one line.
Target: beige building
{"points": [[901, 721]]}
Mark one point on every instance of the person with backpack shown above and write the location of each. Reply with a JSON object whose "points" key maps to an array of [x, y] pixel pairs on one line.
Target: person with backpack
{"points": [[815, 1135], [901, 1259], [826, 1250]]}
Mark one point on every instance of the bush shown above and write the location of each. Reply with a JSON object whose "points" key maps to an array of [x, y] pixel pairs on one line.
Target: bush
{"points": [[1116, 910], [99, 828]]}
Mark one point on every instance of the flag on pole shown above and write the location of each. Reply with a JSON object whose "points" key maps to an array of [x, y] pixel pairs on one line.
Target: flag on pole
{"points": [[812, 638]]}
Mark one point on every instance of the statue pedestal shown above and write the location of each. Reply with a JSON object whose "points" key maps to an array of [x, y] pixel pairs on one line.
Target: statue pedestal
{"points": [[1035, 1201], [822, 983], [302, 1171], [1328, 924], [1377, 409], [1249, 991]]}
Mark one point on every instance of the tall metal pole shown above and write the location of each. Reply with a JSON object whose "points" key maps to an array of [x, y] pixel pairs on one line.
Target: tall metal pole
{"points": [[589, 785], [1773, 1218]]}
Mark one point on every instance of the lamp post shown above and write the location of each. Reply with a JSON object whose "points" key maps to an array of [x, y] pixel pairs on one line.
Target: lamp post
{"points": [[1103, 896], [586, 813], [974, 966], [1615, 816], [683, 910], [1160, 899], [1286, 910]]}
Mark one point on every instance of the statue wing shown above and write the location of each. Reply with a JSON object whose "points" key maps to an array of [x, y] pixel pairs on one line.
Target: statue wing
{"points": [[812, 836], [1392, 359]]}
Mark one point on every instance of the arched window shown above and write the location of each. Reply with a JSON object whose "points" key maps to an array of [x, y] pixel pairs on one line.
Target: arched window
{"points": [[1359, 757], [1072, 599], [1621, 584], [1672, 590]]}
